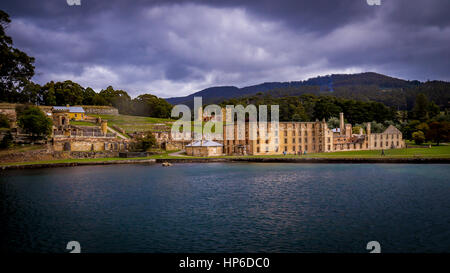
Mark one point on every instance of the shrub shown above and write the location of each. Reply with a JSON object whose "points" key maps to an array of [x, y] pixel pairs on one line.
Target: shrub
{"points": [[7, 141], [147, 141], [4, 121], [33, 121], [418, 137]]}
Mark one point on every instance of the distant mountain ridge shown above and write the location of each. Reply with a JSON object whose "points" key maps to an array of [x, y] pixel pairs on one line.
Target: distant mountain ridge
{"points": [[362, 86]]}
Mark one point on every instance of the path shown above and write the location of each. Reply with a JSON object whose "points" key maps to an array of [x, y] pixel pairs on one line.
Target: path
{"points": [[117, 133], [179, 153]]}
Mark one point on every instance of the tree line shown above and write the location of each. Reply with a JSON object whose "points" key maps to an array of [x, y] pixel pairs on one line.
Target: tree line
{"points": [[309, 107], [68, 92]]}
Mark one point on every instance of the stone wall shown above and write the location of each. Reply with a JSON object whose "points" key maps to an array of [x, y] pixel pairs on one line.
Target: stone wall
{"points": [[100, 110], [46, 153], [10, 113], [89, 144]]}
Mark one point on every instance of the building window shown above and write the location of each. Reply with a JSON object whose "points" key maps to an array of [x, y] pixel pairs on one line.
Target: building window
{"points": [[285, 141], [293, 148], [293, 140], [285, 149], [257, 150]]}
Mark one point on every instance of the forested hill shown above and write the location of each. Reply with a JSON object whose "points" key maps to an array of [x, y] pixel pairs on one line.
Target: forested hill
{"points": [[364, 86]]}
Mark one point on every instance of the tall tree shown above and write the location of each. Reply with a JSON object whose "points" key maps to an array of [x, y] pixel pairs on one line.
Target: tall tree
{"points": [[117, 98], [152, 106], [420, 110], [16, 67], [439, 131], [33, 121]]}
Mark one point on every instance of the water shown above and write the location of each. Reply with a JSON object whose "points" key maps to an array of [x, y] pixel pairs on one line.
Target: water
{"points": [[227, 207]]}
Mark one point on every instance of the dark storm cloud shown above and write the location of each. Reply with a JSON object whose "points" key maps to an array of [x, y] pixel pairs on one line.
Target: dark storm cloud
{"points": [[175, 47]]}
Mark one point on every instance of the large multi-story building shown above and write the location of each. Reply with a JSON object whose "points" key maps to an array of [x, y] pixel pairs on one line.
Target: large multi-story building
{"points": [[306, 137]]}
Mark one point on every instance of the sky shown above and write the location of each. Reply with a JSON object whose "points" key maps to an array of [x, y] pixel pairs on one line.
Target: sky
{"points": [[173, 48]]}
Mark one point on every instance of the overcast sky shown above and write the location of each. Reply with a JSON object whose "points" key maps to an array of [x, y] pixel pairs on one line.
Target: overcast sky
{"points": [[173, 48]]}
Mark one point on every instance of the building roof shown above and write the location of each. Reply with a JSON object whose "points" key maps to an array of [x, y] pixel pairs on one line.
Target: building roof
{"points": [[204, 143], [71, 109], [392, 130]]}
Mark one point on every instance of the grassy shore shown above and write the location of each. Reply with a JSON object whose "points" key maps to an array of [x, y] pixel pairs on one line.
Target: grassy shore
{"points": [[442, 151]]}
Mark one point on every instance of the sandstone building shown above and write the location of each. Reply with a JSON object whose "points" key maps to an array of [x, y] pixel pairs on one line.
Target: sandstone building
{"points": [[308, 137], [204, 148]]}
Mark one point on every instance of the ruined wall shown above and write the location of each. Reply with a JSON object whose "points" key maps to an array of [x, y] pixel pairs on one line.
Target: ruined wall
{"points": [[86, 144], [48, 154], [9, 111], [100, 110]]}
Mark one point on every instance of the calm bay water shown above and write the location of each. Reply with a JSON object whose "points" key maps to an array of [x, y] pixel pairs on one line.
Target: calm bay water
{"points": [[227, 207]]}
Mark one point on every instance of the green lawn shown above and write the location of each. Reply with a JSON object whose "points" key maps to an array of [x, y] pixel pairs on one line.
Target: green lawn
{"points": [[82, 123], [133, 124], [442, 151]]}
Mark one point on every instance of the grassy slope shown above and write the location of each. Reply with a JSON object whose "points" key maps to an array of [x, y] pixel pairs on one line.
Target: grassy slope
{"points": [[20, 148], [133, 123]]}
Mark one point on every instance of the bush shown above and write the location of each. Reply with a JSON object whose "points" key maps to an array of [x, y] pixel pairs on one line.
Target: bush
{"points": [[7, 141], [418, 137], [147, 141], [4, 121], [33, 121]]}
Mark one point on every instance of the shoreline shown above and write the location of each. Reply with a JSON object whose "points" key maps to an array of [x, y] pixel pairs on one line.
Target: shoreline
{"points": [[233, 159]]}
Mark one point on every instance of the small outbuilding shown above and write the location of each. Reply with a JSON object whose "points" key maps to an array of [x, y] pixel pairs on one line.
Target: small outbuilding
{"points": [[204, 148]]}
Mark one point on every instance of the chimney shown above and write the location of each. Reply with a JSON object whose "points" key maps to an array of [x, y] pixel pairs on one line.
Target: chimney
{"points": [[368, 128], [360, 130], [104, 127], [341, 123]]}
